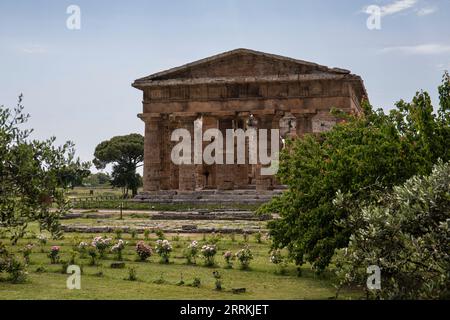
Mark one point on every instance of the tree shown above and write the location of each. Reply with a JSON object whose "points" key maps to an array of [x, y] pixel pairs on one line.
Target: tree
{"points": [[406, 234], [96, 179], [359, 156], [31, 176], [73, 175], [126, 153]]}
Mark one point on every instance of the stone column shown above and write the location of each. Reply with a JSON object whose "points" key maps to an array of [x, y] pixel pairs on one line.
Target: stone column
{"points": [[224, 172], [187, 172], [264, 182], [152, 154], [166, 148], [206, 174]]}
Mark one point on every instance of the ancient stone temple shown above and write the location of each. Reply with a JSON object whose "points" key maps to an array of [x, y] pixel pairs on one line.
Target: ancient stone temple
{"points": [[237, 89]]}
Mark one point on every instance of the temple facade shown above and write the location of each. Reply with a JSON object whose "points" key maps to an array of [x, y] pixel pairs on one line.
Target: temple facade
{"points": [[239, 89]]}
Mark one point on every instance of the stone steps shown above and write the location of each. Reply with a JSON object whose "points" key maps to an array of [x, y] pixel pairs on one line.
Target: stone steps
{"points": [[245, 196]]}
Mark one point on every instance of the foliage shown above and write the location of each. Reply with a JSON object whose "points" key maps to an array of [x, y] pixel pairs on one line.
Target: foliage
{"points": [[208, 252], [125, 153], [358, 156], [97, 179], [26, 252], [118, 248], [191, 252], [54, 254], [228, 257], [218, 282], [12, 266], [163, 248], [406, 233], [32, 176], [143, 251], [244, 256], [101, 244]]}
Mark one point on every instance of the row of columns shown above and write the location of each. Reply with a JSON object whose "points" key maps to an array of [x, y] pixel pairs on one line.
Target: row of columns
{"points": [[160, 173]]}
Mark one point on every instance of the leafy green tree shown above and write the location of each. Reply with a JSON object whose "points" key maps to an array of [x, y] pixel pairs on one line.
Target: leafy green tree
{"points": [[360, 155], [126, 154], [73, 175], [406, 234], [31, 176], [96, 179]]}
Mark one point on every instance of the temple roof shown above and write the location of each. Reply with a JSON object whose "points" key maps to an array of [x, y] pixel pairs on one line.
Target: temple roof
{"points": [[245, 65]]}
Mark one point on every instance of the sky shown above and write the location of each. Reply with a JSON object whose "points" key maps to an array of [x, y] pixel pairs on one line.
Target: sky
{"points": [[77, 82]]}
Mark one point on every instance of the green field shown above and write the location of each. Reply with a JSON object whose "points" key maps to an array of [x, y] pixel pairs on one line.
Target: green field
{"points": [[262, 281], [155, 280]]}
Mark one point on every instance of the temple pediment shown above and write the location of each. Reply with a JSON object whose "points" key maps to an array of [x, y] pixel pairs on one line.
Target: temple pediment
{"points": [[241, 63]]}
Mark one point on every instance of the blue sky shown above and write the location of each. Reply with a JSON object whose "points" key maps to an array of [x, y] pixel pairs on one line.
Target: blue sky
{"points": [[77, 83]]}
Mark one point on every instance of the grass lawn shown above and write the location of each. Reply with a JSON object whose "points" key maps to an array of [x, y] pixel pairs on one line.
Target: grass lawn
{"points": [[262, 281]]}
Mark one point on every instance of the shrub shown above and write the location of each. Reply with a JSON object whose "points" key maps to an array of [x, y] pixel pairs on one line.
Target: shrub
{"points": [[93, 253], [9, 264], [132, 275], [244, 256], [101, 244], [133, 233], [258, 237], [196, 282], [163, 249], [405, 233], [26, 252], [146, 234], [82, 249], [191, 252], [277, 259], [143, 251], [54, 254], [228, 257], [218, 283], [160, 234], [42, 239], [214, 238], [118, 248], [209, 252], [118, 233]]}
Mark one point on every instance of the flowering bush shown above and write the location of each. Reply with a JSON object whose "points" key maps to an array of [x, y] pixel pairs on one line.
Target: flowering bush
{"points": [[192, 251], [244, 256], [277, 258], [54, 254], [42, 239], [208, 252], [118, 248], [101, 244], [92, 251], [82, 248], [143, 251], [26, 251], [9, 264], [228, 256], [163, 249]]}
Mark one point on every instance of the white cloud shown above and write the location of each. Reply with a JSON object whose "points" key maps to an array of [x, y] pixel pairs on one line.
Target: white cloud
{"points": [[395, 7], [421, 49], [34, 49], [426, 11], [443, 66]]}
